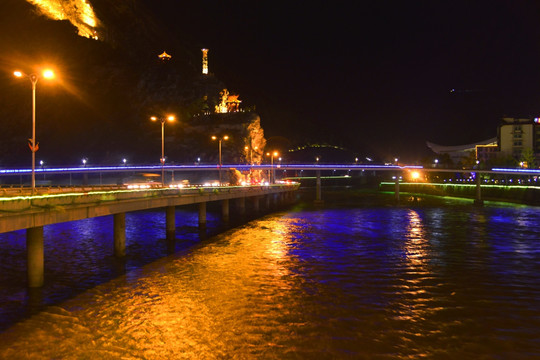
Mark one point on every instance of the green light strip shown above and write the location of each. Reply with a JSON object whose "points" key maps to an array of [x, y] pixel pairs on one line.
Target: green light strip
{"points": [[466, 185]]}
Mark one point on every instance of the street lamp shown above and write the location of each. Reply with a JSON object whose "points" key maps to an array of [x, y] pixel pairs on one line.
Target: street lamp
{"points": [[162, 120], [273, 177], [46, 74], [226, 137]]}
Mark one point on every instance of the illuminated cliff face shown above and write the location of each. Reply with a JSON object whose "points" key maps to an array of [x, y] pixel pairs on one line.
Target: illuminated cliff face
{"points": [[78, 12]]}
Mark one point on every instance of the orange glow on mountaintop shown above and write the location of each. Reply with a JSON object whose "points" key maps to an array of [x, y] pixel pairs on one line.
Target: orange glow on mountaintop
{"points": [[78, 12]]}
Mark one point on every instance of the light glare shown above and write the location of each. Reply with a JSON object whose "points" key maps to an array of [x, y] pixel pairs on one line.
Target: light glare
{"points": [[48, 74]]}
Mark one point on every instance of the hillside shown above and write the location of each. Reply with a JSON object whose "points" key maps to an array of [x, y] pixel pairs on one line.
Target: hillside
{"points": [[106, 90]]}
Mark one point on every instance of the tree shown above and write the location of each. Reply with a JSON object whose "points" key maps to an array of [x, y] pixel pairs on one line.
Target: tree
{"points": [[528, 159]]}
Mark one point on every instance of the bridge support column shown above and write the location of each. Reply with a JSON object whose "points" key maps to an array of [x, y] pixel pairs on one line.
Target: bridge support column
{"points": [[241, 204], [478, 200], [267, 201], [170, 220], [275, 200], [34, 251], [202, 214], [318, 191], [119, 234], [282, 198], [396, 188], [293, 196], [225, 209], [256, 204]]}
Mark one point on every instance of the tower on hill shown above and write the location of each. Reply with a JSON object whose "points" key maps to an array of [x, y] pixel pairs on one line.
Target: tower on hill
{"points": [[204, 61]]}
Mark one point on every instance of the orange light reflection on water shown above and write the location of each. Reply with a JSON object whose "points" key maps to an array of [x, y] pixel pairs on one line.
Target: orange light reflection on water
{"points": [[193, 306]]}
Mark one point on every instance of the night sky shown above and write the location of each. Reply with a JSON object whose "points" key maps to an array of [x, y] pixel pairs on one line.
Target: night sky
{"points": [[379, 77]]}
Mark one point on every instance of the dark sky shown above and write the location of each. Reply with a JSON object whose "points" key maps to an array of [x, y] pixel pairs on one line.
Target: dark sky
{"points": [[380, 77]]}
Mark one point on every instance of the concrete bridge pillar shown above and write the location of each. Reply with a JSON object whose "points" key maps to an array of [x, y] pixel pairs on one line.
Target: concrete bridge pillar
{"points": [[119, 234], [225, 209], [267, 201], [282, 198], [202, 214], [34, 251], [255, 204], [478, 200], [292, 196], [170, 220], [318, 191], [241, 204], [275, 202]]}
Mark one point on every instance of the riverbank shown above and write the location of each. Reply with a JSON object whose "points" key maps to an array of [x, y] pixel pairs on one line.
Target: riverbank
{"points": [[521, 194]]}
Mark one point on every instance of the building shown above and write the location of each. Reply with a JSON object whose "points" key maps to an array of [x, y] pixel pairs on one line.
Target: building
{"points": [[487, 153], [516, 135], [517, 138]]}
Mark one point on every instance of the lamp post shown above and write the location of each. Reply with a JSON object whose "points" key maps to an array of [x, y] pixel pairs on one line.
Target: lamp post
{"points": [[219, 152], [46, 74], [162, 120], [273, 176]]}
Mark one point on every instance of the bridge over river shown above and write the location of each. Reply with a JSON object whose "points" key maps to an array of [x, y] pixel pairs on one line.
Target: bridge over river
{"points": [[33, 212], [23, 208]]}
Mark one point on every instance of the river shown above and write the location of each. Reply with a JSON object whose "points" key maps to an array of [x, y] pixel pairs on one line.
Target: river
{"points": [[429, 279]]}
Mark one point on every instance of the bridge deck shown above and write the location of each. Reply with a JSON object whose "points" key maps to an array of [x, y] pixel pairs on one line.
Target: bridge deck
{"points": [[23, 212]]}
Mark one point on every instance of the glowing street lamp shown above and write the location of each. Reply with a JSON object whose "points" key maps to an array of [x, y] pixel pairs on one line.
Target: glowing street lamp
{"points": [[162, 120], [247, 148], [46, 74], [273, 177], [226, 137]]}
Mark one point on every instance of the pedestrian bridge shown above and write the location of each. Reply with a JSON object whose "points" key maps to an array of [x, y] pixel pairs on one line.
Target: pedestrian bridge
{"points": [[35, 212]]}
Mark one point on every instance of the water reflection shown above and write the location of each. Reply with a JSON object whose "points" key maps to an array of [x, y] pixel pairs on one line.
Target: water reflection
{"points": [[328, 283]]}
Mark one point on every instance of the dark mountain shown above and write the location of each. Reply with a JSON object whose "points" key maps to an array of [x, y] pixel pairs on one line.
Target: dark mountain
{"points": [[105, 91]]}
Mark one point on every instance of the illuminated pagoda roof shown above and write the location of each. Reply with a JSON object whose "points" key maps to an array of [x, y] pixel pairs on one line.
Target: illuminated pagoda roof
{"points": [[164, 56]]}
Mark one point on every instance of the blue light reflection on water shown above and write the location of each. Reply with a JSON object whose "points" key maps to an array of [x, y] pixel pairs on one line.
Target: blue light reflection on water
{"points": [[391, 281], [475, 270]]}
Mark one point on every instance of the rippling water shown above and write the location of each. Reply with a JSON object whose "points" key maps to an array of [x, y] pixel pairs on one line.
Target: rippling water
{"points": [[376, 281]]}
